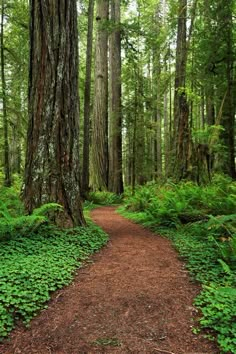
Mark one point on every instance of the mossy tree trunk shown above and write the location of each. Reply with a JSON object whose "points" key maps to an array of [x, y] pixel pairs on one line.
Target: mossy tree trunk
{"points": [[52, 157]]}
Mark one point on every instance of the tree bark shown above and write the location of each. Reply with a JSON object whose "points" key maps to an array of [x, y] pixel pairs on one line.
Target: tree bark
{"points": [[228, 116], [157, 111], [115, 158], [87, 102], [7, 173], [99, 151], [52, 156], [181, 108], [210, 108]]}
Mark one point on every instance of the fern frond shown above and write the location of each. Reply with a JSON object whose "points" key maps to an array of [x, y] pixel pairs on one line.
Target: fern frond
{"points": [[46, 208], [4, 212]]}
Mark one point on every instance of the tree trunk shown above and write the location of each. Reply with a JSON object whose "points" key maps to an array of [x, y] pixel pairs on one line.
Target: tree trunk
{"points": [[99, 152], [228, 109], [168, 165], [52, 156], [87, 102], [115, 161], [7, 174], [210, 109], [181, 108], [166, 131], [157, 111]]}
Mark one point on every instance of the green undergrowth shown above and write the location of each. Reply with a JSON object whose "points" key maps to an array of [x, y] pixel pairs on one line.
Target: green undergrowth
{"points": [[104, 198], [36, 258], [201, 223]]}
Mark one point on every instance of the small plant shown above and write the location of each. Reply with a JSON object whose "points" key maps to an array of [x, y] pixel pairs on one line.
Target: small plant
{"points": [[218, 313], [222, 230], [88, 205], [33, 266], [201, 224], [10, 201], [36, 258], [24, 224]]}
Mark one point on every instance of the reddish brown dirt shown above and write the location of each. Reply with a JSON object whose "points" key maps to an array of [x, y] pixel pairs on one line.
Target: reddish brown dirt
{"points": [[135, 295]]}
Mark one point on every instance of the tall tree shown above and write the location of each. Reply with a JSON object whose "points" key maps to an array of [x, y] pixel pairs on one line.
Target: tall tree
{"points": [[99, 151], [16, 58], [52, 165], [157, 95], [7, 174], [115, 155], [228, 116], [87, 101], [181, 108]]}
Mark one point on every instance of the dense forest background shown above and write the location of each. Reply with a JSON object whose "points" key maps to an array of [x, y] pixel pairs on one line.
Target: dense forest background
{"points": [[156, 86], [117, 102]]}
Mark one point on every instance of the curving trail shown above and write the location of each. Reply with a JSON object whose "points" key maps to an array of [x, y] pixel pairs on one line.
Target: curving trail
{"points": [[135, 297]]}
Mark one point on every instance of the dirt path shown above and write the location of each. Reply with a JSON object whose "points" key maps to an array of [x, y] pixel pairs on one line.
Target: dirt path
{"points": [[135, 297]]}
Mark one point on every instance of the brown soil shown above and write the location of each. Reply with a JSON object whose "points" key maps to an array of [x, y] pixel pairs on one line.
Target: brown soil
{"points": [[133, 297]]}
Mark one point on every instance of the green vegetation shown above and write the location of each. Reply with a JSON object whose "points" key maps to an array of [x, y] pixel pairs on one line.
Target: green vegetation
{"points": [[36, 258], [163, 107], [104, 198], [202, 225]]}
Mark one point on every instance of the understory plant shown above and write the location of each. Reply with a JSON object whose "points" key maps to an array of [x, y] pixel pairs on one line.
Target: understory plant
{"points": [[24, 224], [36, 258], [33, 266], [104, 198], [201, 222]]}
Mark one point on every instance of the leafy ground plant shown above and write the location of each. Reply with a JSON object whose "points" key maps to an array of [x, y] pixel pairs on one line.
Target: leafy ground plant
{"points": [[104, 198], [201, 224], [36, 258], [37, 263], [175, 204]]}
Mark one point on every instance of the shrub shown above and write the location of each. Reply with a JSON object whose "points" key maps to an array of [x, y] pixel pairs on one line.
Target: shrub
{"points": [[24, 224], [104, 198], [10, 201], [202, 225], [36, 258], [172, 204]]}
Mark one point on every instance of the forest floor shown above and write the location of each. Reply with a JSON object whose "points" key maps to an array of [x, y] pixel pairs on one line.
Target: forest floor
{"points": [[135, 296]]}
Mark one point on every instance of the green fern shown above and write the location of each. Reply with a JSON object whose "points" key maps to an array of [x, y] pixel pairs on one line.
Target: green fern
{"points": [[46, 208], [227, 291], [104, 198], [222, 225], [4, 213], [24, 224], [225, 267]]}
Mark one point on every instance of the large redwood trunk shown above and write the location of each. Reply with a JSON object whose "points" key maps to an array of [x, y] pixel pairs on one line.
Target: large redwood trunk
{"points": [[52, 157]]}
